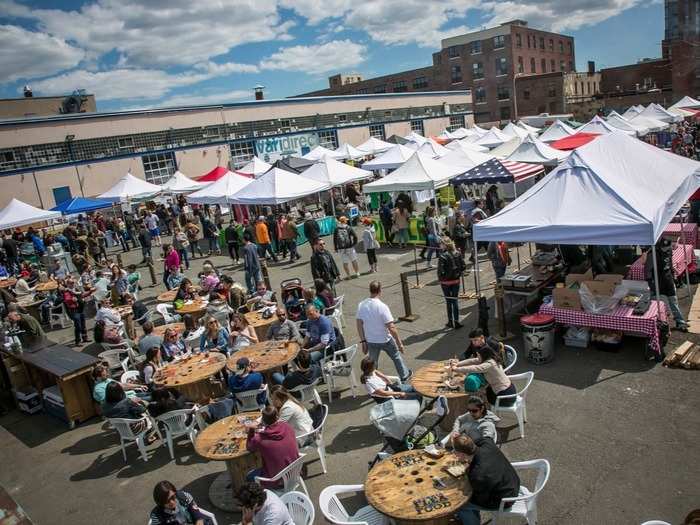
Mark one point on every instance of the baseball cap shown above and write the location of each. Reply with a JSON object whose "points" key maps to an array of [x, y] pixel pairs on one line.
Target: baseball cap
{"points": [[242, 364], [343, 219]]}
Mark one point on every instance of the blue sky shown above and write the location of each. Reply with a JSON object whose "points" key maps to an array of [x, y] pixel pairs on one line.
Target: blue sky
{"points": [[134, 54]]}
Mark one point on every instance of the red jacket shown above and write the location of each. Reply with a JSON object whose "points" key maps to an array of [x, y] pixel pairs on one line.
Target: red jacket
{"points": [[277, 446]]}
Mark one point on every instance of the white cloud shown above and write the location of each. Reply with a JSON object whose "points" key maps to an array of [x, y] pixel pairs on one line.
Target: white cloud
{"points": [[25, 54], [226, 68], [336, 55], [316, 11], [199, 99]]}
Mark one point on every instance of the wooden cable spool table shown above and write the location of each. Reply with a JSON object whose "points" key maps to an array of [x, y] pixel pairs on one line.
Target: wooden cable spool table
{"points": [[266, 357], [167, 296], [48, 286], [403, 488], [192, 376], [127, 314], [196, 308], [226, 441], [259, 324], [429, 381], [160, 330], [8, 283]]}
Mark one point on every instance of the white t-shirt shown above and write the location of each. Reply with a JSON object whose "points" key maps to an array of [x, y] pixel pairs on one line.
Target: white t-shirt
{"points": [[297, 417], [375, 315], [151, 221], [374, 382], [273, 512]]}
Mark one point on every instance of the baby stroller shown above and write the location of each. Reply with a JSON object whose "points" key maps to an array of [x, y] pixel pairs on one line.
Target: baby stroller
{"points": [[293, 298], [406, 424]]}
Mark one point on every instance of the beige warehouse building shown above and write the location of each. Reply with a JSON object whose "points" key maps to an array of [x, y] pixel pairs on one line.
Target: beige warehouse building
{"points": [[46, 160]]}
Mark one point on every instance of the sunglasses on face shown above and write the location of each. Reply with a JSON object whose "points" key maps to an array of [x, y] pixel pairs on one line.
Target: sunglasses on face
{"points": [[473, 410]]}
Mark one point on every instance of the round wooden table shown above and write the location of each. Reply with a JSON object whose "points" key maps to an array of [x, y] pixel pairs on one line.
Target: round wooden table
{"points": [[193, 376], [48, 286], [403, 488], [430, 381], [266, 357], [160, 330], [127, 314], [8, 283], [226, 440], [260, 325], [167, 296], [196, 308]]}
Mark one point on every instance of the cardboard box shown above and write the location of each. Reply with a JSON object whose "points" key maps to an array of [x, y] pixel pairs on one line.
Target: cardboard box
{"points": [[578, 277], [600, 288], [566, 298], [612, 277]]}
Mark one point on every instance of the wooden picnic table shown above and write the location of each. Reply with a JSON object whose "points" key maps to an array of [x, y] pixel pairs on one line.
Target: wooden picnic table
{"points": [[260, 324], [430, 381], [267, 356], [8, 283], [48, 286], [196, 308], [193, 376]]}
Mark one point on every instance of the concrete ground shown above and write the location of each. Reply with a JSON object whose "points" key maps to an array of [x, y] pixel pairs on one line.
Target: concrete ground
{"points": [[620, 432]]}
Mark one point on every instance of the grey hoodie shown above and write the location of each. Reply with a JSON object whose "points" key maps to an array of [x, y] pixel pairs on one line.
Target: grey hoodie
{"points": [[486, 426]]}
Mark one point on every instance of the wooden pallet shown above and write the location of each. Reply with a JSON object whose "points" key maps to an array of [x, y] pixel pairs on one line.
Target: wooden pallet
{"points": [[687, 355]]}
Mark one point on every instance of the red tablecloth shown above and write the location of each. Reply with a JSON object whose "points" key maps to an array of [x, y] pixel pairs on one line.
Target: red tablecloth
{"points": [[636, 272], [620, 319], [673, 231]]}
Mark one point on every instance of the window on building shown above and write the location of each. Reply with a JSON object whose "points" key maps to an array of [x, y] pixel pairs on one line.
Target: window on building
{"points": [[551, 44], [571, 66], [328, 139], [518, 40], [456, 121], [7, 157], [159, 167], [542, 43], [477, 70], [552, 65], [505, 113], [544, 65], [126, 142], [241, 153], [521, 66], [377, 131], [285, 123], [533, 66], [475, 47], [575, 88], [456, 74], [342, 118], [501, 66], [62, 194], [499, 42], [502, 92], [480, 95], [417, 127], [562, 65], [551, 91], [453, 51], [399, 86], [526, 94], [528, 41], [570, 47], [420, 82], [561, 46], [380, 89], [362, 91]]}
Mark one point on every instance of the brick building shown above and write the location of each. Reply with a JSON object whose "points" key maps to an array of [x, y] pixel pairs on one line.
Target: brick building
{"points": [[681, 45], [486, 61]]}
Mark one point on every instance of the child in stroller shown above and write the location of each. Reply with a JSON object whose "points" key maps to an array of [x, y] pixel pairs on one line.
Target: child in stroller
{"points": [[293, 298]]}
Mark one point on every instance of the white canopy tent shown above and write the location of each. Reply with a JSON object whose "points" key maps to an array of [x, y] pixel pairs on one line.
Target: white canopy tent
{"points": [[465, 145], [391, 159], [557, 130], [505, 149], [333, 173], [534, 151], [347, 151], [631, 112], [433, 149], [598, 125], [221, 190], [419, 173], [614, 113], [128, 188], [527, 127], [318, 153], [18, 213], [374, 146], [687, 102], [416, 138], [651, 124], [465, 159], [461, 133], [515, 131], [658, 113], [180, 183], [616, 121], [277, 187], [255, 167], [494, 137], [480, 131]]}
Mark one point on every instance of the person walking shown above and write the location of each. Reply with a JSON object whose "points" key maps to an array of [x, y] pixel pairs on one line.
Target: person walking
{"points": [[667, 285], [500, 257], [311, 229], [369, 239], [171, 263], [180, 243], [233, 240], [323, 265], [262, 233], [192, 231], [377, 331], [289, 235], [146, 242], [432, 230], [344, 241], [211, 234], [450, 269], [152, 222], [251, 263]]}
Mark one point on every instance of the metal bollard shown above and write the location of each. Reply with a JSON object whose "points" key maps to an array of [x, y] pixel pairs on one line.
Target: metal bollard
{"points": [[119, 260], [500, 310], [409, 315], [265, 274], [152, 271]]}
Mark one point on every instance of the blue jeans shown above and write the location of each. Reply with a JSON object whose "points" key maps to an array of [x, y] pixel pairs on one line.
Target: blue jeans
{"points": [[469, 514], [432, 246], [277, 378], [672, 304], [392, 351], [184, 257], [251, 280], [264, 249], [403, 235], [451, 293]]}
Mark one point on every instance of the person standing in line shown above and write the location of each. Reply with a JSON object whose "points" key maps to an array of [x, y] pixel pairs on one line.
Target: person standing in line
{"points": [[233, 241], [344, 241], [146, 242], [323, 265], [311, 229], [151, 221], [401, 218], [500, 257], [377, 331], [251, 263], [369, 239], [450, 269]]}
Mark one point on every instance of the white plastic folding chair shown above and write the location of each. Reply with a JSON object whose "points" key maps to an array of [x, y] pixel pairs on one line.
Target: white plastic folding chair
{"points": [[145, 317], [519, 407], [125, 429], [205, 513], [338, 307], [192, 339], [130, 376], [163, 310], [306, 392], [290, 477], [114, 359], [337, 319], [199, 414], [340, 365], [656, 522], [59, 316], [314, 439], [525, 503], [247, 401], [300, 507], [511, 358], [176, 425], [334, 511]]}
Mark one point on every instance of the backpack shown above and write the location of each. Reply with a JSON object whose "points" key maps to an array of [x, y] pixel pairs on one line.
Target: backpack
{"points": [[452, 267], [344, 240]]}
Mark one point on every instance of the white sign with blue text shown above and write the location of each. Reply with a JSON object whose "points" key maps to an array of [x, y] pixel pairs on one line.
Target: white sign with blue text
{"points": [[274, 148]]}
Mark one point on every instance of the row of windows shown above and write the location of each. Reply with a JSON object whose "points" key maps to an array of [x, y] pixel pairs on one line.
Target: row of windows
{"points": [[398, 86], [417, 127], [475, 47], [543, 65], [532, 41], [502, 93], [551, 92], [499, 42]]}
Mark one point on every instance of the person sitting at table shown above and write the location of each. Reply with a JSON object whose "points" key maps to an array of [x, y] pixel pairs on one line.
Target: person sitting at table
{"points": [[22, 288], [242, 334], [244, 380], [319, 333], [149, 339], [32, 332], [215, 337], [489, 362], [218, 307], [101, 287], [260, 506], [324, 293], [185, 293], [100, 376], [304, 372], [209, 280], [478, 421], [164, 400], [262, 297], [283, 329], [275, 442], [490, 474], [232, 292], [118, 405], [88, 278], [107, 314], [175, 277], [380, 387], [291, 410], [173, 345], [119, 285], [477, 339], [310, 297], [152, 364], [175, 507]]}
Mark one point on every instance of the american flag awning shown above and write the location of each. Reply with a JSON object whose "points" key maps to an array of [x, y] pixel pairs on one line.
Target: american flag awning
{"points": [[496, 170]]}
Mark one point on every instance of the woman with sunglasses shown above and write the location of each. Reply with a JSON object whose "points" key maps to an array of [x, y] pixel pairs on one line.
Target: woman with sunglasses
{"points": [[175, 507], [215, 337], [173, 346], [478, 421]]}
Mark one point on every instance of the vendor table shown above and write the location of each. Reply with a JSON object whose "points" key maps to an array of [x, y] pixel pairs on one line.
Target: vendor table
{"points": [[429, 381], [540, 281], [160, 330], [620, 319], [266, 357], [680, 232], [127, 314], [259, 324], [48, 286], [193, 376], [196, 308], [8, 283], [226, 441], [326, 226], [683, 257], [403, 488], [54, 364]]}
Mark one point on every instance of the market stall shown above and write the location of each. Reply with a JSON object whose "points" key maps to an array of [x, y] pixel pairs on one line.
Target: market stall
{"points": [[433, 149], [277, 187], [181, 183], [683, 260], [556, 131], [599, 126], [682, 232], [466, 146], [574, 141], [390, 159], [18, 213], [220, 191], [348, 152], [254, 168], [534, 151], [318, 153], [374, 146], [130, 188], [497, 171], [332, 173], [493, 138], [78, 205]]}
